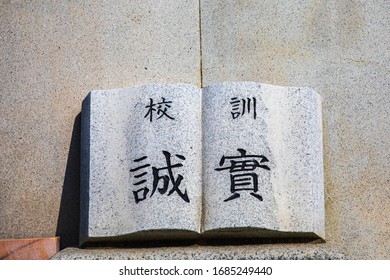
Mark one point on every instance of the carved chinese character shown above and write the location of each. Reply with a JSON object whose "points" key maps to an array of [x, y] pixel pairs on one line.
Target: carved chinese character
{"points": [[160, 109], [241, 179], [242, 106], [161, 181]]}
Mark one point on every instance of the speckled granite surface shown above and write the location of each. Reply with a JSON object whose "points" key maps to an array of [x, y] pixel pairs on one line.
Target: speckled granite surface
{"points": [[248, 252], [141, 161], [262, 158], [251, 152]]}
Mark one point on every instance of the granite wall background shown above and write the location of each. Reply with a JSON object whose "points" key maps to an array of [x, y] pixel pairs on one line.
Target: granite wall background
{"points": [[54, 53]]}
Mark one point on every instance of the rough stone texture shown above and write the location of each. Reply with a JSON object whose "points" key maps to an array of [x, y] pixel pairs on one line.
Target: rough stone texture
{"points": [[259, 252], [52, 54], [341, 50], [277, 128], [126, 131], [126, 186]]}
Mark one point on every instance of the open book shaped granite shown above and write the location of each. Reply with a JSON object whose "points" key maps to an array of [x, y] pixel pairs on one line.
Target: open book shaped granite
{"points": [[173, 161]]}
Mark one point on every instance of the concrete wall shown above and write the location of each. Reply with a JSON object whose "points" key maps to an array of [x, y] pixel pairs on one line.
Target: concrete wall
{"points": [[54, 52], [341, 48]]}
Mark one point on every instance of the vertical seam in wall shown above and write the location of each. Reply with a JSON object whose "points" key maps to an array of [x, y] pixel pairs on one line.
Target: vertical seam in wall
{"points": [[201, 228], [200, 43]]}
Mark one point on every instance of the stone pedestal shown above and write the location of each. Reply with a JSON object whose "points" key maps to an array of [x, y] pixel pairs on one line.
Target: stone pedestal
{"points": [[247, 252]]}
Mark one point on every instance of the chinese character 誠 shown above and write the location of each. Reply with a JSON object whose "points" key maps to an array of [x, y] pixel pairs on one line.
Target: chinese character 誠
{"points": [[242, 106], [159, 109], [163, 177], [241, 176]]}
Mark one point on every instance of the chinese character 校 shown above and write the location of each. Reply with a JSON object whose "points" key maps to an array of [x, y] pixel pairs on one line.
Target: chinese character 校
{"points": [[242, 174], [163, 177], [160, 109]]}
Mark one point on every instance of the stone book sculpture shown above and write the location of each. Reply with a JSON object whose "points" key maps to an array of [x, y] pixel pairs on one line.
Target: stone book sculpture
{"points": [[173, 161]]}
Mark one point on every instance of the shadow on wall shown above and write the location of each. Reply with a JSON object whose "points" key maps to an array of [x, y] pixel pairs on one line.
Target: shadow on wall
{"points": [[68, 224]]}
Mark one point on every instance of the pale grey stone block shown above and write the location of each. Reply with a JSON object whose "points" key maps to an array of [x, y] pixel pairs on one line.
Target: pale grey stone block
{"points": [[248, 252], [145, 173], [129, 139], [263, 169]]}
